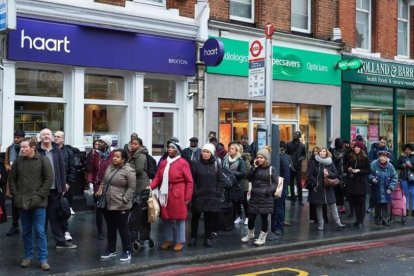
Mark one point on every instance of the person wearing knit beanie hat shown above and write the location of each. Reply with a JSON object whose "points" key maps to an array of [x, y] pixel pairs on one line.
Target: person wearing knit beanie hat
{"points": [[359, 144], [265, 152], [106, 139], [210, 147], [176, 145]]}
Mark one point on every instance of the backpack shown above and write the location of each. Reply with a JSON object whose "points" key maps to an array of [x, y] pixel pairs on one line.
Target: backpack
{"points": [[151, 169]]}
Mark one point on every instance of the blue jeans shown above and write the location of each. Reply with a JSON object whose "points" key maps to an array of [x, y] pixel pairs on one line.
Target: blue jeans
{"points": [[278, 216], [408, 189], [179, 230], [34, 220]]}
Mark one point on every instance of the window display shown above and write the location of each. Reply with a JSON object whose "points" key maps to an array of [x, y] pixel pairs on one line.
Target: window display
{"points": [[33, 117]]}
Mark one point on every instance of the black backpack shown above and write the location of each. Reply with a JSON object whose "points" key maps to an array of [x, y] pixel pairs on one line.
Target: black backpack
{"points": [[151, 166]]}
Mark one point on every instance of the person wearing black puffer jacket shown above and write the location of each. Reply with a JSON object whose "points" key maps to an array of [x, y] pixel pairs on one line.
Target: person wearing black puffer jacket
{"points": [[208, 186], [264, 178]]}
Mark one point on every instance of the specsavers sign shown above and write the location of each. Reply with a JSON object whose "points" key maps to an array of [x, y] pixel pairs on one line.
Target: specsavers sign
{"points": [[288, 64]]}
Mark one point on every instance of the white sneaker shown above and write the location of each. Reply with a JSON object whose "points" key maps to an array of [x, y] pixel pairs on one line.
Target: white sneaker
{"points": [[246, 221], [238, 220], [68, 237], [71, 211]]}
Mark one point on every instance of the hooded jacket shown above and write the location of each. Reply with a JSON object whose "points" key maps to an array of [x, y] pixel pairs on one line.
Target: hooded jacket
{"points": [[138, 161]]}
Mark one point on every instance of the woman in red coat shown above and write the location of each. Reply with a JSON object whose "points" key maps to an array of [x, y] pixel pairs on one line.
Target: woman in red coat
{"points": [[175, 184]]}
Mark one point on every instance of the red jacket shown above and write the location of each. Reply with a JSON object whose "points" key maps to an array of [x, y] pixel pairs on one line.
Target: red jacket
{"points": [[180, 188], [97, 168]]}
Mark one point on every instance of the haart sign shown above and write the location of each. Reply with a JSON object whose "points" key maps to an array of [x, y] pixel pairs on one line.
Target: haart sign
{"points": [[59, 43]]}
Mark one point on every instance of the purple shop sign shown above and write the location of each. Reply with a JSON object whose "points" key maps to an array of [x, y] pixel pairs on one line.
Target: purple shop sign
{"points": [[49, 42]]}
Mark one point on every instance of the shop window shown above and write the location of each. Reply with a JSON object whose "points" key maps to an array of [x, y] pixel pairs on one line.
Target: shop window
{"points": [[371, 113], [280, 111], [161, 91], [301, 16], [403, 20], [405, 106], [242, 10], [312, 125], [44, 83], [234, 120], [104, 87], [363, 24], [32, 117], [101, 120]]}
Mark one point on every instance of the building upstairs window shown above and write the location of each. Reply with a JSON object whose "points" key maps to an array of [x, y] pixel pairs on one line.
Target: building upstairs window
{"points": [[152, 2], [242, 10], [363, 24], [403, 28], [301, 16]]}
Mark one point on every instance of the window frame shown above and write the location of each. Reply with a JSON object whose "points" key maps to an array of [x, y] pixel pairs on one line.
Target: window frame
{"points": [[152, 3], [308, 30], [369, 12], [407, 22], [243, 19]]}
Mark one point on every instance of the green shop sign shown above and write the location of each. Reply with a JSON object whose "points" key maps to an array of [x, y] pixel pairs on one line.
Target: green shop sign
{"points": [[288, 64], [376, 72]]}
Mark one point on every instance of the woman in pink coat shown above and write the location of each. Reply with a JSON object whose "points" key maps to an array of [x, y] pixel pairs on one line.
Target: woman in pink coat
{"points": [[175, 184]]}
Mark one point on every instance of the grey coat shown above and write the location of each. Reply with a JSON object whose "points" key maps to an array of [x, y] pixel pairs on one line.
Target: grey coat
{"points": [[263, 189], [320, 194], [138, 161], [121, 188]]}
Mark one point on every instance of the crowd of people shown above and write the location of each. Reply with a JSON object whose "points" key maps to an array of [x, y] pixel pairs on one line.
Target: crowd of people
{"points": [[197, 181]]}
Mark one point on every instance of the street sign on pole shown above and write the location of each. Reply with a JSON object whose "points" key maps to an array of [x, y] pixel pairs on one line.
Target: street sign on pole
{"points": [[269, 30], [256, 68]]}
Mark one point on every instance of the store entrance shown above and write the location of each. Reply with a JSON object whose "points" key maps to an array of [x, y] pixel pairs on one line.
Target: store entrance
{"points": [[406, 129], [163, 126]]}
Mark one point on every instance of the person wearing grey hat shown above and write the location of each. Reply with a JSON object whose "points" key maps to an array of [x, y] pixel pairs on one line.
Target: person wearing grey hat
{"points": [[297, 152], [383, 178], [100, 161], [264, 178], [192, 152]]}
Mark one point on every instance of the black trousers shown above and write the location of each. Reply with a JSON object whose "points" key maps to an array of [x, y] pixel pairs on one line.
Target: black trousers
{"points": [[209, 223], [295, 178], [382, 211], [265, 222], [358, 203], [57, 224], [15, 216], [117, 220]]}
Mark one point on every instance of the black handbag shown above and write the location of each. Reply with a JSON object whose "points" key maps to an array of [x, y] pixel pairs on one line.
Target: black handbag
{"points": [[101, 202], [64, 208]]}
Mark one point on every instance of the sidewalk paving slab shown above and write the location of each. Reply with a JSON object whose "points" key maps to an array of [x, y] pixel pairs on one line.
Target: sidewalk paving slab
{"points": [[85, 260]]}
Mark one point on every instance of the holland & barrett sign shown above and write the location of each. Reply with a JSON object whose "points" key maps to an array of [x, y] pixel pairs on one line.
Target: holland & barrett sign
{"points": [[288, 64], [382, 73]]}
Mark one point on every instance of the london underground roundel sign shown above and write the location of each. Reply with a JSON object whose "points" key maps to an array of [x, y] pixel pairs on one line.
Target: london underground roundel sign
{"points": [[256, 48]]}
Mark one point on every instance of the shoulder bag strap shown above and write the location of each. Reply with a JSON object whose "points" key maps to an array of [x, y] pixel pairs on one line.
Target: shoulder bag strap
{"points": [[110, 179]]}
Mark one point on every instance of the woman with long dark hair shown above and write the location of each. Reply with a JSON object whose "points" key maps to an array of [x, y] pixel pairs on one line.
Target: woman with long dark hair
{"points": [[356, 181]]}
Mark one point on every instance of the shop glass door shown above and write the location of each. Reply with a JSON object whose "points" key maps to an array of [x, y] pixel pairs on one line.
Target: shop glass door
{"points": [[163, 126], [286, 129], [406, 130]]}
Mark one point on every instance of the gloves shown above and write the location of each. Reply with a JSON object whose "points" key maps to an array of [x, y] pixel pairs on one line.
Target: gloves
{"points": [[91, 187]]}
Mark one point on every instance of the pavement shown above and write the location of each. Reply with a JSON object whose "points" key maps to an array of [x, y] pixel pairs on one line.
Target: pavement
{"points": [[85, 260]]}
